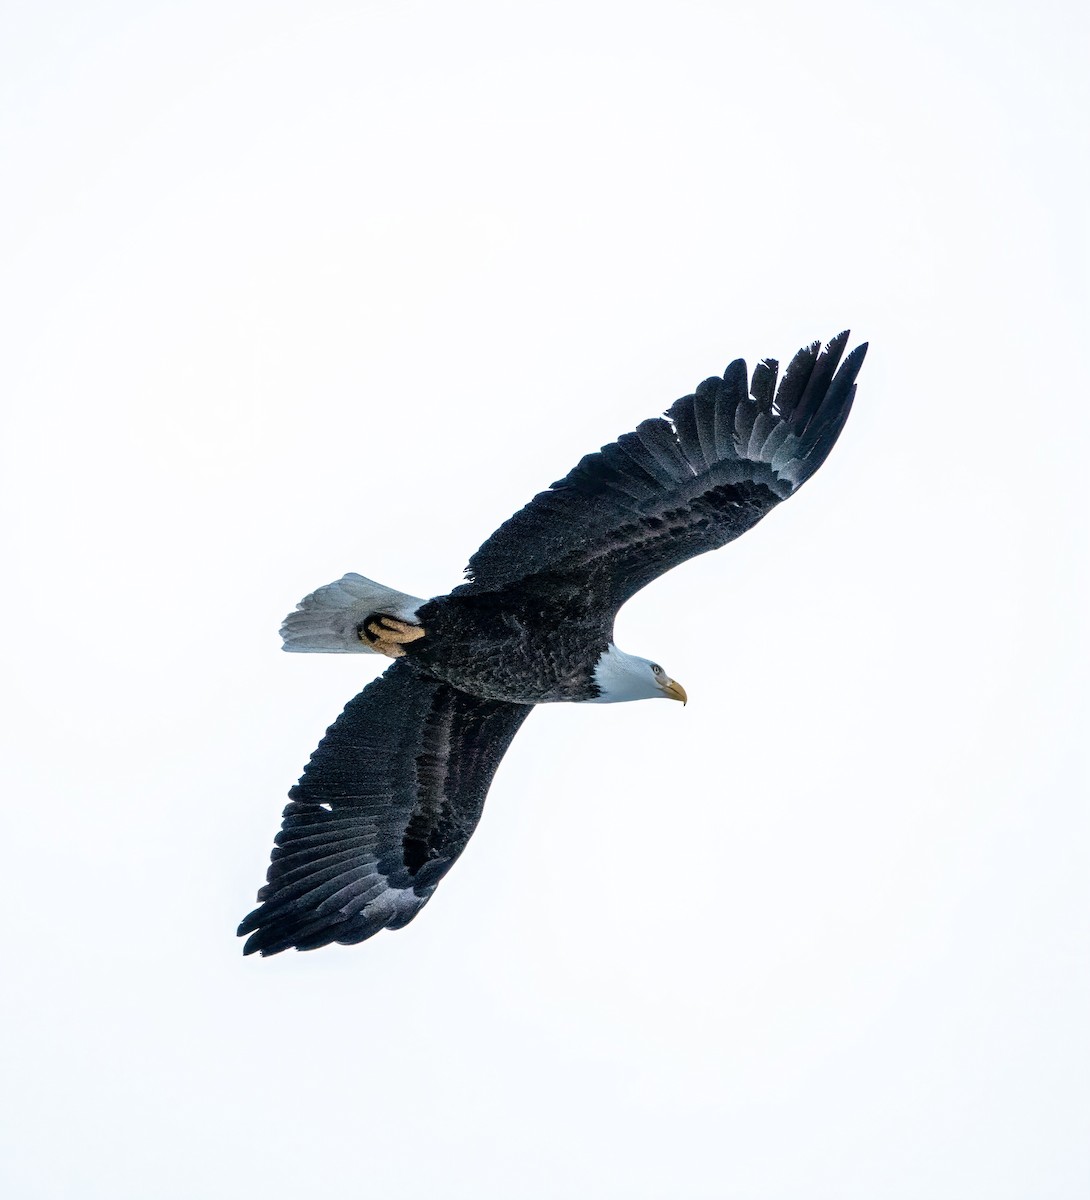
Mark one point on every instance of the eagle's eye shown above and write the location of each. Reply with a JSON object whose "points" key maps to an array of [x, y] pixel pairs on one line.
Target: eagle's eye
{"points": [[656, 668]]}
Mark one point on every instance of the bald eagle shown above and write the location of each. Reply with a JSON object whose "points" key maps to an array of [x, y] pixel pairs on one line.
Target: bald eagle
{"points": [[396, 787]]}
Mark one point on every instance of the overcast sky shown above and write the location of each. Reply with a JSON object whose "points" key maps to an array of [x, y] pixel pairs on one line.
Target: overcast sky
{"points": [[293, 289]]}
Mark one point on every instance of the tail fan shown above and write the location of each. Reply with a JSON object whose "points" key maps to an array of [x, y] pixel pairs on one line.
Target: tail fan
{"points": [[328, 620]]}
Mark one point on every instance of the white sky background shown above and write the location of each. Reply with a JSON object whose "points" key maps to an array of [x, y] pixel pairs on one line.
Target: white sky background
{"points": [[294, 289]]}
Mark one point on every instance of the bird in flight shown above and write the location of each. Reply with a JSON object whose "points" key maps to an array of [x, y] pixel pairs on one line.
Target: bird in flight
{"points": [[395, 789]]}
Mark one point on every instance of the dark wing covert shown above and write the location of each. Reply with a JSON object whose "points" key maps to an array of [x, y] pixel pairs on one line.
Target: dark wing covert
{"points": [[386, 804], [679, 485]]}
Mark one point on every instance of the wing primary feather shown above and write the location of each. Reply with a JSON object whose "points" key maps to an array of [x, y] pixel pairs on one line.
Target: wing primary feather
{"points": [[641, 455], [658, 436], [762, 427], [594, 470], [824, 428], [705, 404], [817, 386], [732, 393], [641, 482], [312, 880], [763, 387], [744, 416], [352, 897], [786, 452], [767, 449], [794, 382], [845, 378], [683, 415]]}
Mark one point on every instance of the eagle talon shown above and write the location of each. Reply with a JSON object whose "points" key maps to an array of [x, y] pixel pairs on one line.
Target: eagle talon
{"points": [[387, 635], [394, 630]]}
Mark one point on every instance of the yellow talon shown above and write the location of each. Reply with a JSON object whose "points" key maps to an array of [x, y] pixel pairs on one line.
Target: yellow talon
{"points": [[402, 629], [387, 635]]}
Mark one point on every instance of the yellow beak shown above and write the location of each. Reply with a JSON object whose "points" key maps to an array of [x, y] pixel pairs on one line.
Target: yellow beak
{"points": [[675, 691]]}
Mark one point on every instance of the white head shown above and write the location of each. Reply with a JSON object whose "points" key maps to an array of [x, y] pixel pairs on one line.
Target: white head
{"points": [[627, 677]]}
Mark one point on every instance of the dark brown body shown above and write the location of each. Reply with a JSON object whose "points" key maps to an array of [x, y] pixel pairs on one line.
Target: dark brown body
{"points": [[530, 645]]}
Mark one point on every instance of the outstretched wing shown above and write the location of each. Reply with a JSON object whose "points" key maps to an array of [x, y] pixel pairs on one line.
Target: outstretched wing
{"points": [[680, 485], [385, 805]]}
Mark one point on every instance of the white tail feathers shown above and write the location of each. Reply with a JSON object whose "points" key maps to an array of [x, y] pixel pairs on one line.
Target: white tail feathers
{"points": [[328, 620]]}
